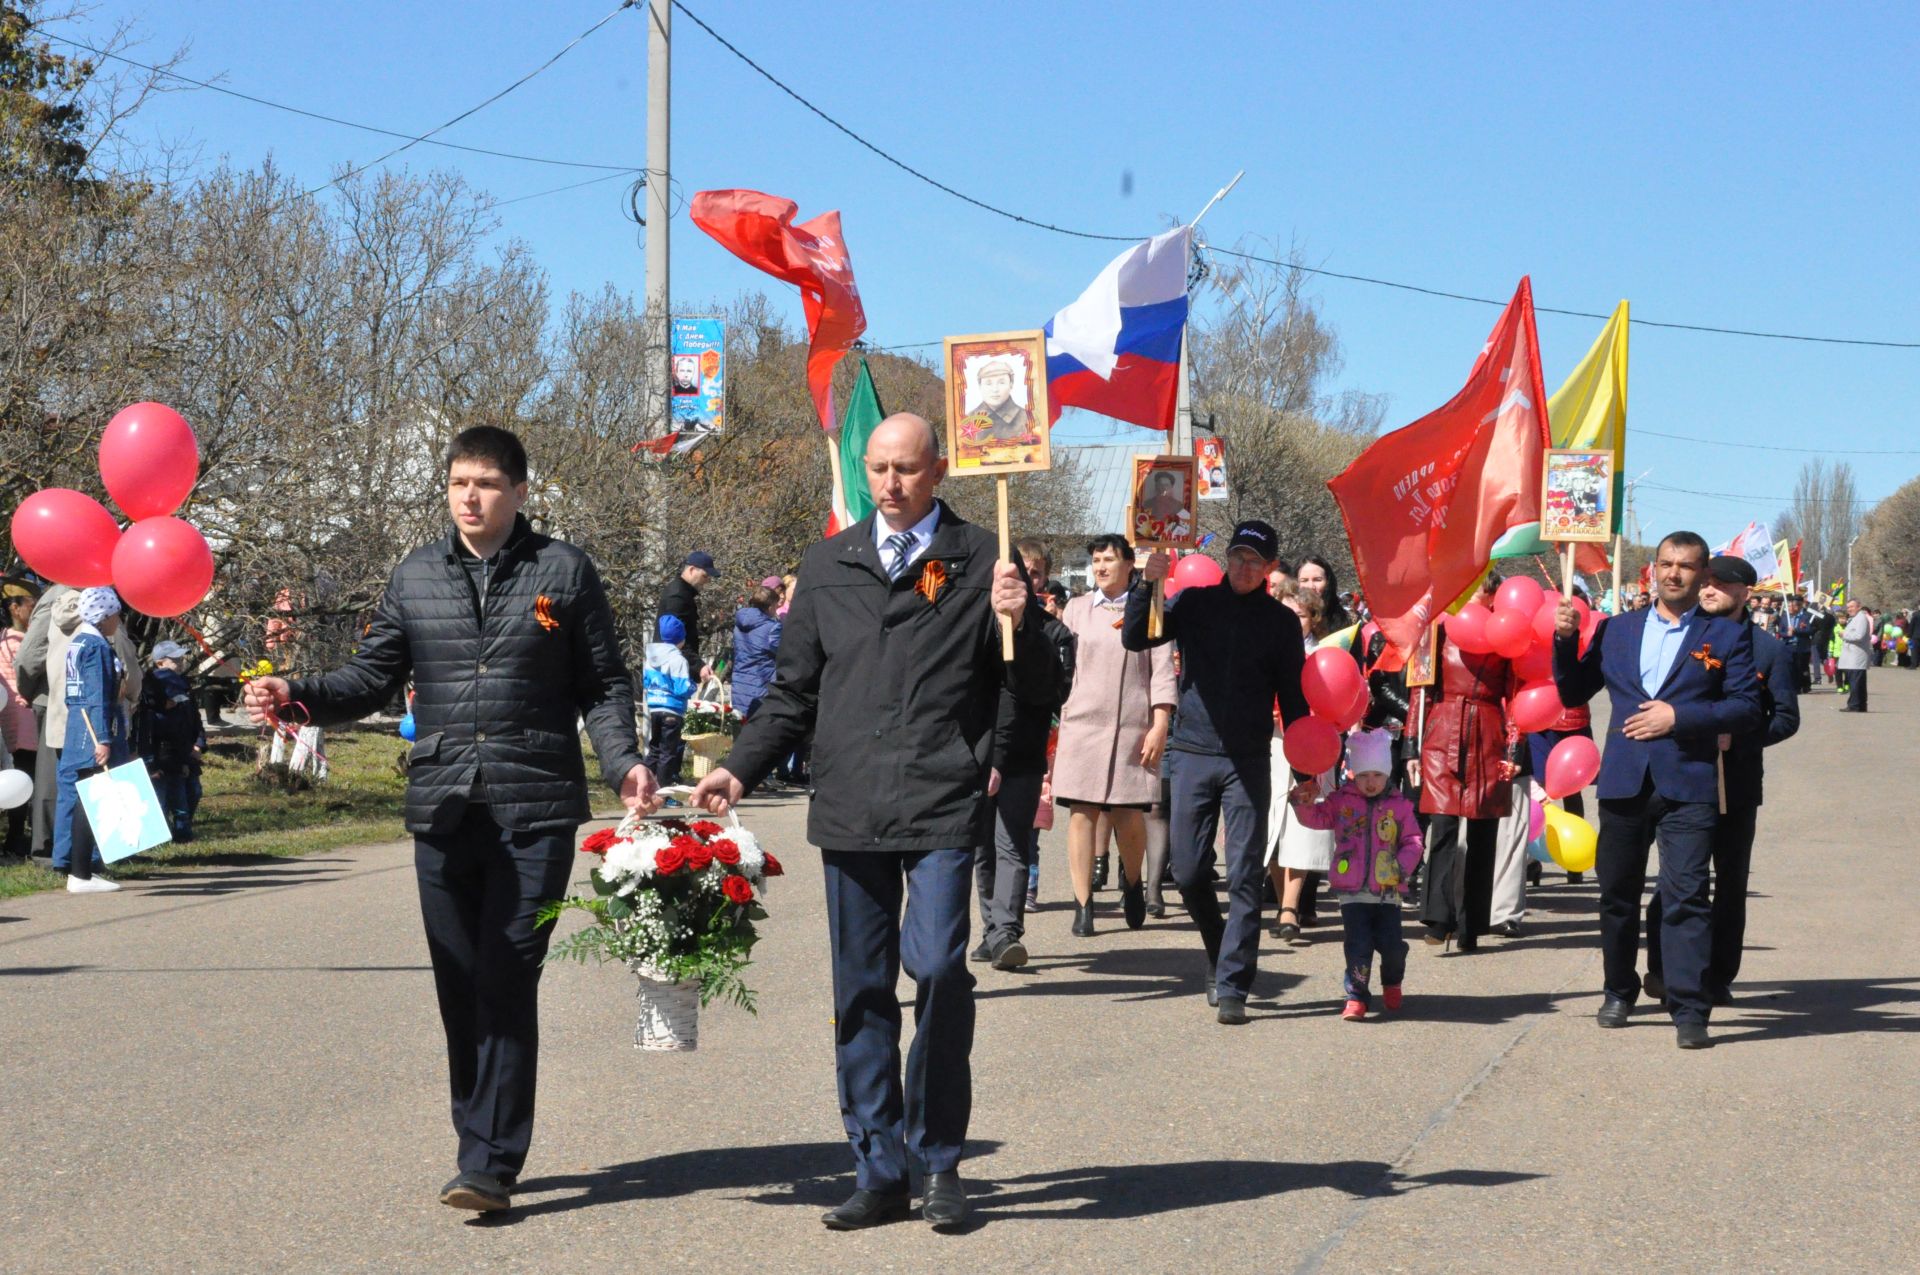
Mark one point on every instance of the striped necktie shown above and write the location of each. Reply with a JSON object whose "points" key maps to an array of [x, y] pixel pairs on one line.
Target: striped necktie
{"points": [[899, 544]]}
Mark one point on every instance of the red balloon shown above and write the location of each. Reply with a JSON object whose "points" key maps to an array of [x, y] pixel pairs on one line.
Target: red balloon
{"points": [[1194, 572], [66, 536], [1571, 766], [1330, 680], [1536, 707], [1349, 717], [1522, 594], [1536, 665], [1510, 633], [162, 566], [1467, 628], [149, 460], [1312, 745]]}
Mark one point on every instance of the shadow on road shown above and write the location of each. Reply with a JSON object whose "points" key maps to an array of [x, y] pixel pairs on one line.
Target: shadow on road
{"points": [[1123, 974], [819, 1175], [42, 970], [1820, 1007], [202, 883]]}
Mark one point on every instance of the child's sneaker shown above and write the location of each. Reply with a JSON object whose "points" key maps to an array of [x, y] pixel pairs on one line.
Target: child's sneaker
{"points": [[1354, 1012], [1390, 996]]}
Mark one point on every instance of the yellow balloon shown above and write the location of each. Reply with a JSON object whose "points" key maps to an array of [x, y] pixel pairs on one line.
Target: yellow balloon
{"points": [[1571, 840]]}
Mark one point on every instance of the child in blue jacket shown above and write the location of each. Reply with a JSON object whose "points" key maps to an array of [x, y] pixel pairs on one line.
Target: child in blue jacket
{"points": [[96, 733], [667, 682]]}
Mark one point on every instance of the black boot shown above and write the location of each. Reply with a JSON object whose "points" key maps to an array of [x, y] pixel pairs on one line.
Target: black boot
{"points": [[1083, 919], [1102, 863]]}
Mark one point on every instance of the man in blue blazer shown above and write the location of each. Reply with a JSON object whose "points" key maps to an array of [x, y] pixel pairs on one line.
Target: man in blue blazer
{"points": [[1678, 680]]}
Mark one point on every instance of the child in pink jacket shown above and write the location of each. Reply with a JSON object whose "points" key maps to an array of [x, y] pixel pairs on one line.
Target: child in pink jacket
{"points": [[1376, 847]]}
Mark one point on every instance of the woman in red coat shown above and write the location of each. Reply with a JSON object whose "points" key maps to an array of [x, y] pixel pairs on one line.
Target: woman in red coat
{"points": [[1464, 776]]}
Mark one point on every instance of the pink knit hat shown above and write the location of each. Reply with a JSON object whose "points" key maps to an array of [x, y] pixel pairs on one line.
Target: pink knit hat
{"points": [[1370, 750]]}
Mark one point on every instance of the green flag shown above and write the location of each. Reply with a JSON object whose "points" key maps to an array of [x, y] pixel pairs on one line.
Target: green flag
{"points": [[857, 424]]}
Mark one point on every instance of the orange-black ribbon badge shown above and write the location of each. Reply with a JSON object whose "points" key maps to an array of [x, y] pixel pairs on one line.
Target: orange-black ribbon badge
{"points": [[933, 578], [543, 612], [1705, 656]]}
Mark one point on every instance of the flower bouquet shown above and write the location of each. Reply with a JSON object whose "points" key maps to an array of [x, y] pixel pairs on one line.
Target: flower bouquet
{"points": [[677, 901]]}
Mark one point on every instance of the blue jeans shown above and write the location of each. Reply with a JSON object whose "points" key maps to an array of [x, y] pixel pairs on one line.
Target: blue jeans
{"points": [[66, 808], [1370, 928]]}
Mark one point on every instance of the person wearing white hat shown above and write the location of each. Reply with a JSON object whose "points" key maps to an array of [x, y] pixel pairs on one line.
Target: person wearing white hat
{"points": [[95, 737]]}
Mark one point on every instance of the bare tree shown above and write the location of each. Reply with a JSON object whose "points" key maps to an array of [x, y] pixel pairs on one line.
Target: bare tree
{"points": [[1824, 516], [1886, 561]]}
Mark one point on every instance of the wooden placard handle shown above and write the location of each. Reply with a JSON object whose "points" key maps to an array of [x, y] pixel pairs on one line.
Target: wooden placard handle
{"points": [[1006, 555]]}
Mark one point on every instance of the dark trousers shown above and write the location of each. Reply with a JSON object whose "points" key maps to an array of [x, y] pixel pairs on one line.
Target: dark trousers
{"points": [[665, 751], [1628, 828], [16, 842], [1000, 870], [871, 939], [480, 886], [46, 789], [1857, 690], [84, 848], [1206, 788], [1459, 895], [1732, 859], [1803, 671], [1370, 928]]}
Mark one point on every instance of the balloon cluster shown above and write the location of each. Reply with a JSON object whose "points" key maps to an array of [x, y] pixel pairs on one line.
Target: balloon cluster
{"points": [[1519, 628], [149, 461], [1337, 696]]}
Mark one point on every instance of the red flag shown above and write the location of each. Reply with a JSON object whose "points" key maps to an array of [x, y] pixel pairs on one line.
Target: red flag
{"points": [[1424, 505], [759, 230], [1796, 564]]}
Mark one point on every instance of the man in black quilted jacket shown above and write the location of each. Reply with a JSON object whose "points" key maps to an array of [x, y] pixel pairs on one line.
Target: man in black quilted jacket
{"points": [[508, 638]]}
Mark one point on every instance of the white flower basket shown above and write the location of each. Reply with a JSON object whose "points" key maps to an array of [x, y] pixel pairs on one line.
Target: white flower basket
{"points": [[669, 1010]]}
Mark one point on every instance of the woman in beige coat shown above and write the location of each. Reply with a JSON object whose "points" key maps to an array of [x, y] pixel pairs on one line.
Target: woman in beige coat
{"points": [[1113, 729]]}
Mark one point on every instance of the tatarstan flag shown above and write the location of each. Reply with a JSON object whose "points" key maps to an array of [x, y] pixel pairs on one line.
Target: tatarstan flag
{"points": [[852, 498], [1424, 505]]}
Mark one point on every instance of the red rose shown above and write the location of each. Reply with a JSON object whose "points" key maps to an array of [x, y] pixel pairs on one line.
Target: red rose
{"points": [[773, 868], [599, 842], [737, 890], [698, 858], [668, 859], [707, 828], [725, 851]]}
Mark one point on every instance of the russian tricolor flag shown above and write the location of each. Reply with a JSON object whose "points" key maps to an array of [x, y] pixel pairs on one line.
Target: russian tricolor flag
{"points": [[1116, 350]]}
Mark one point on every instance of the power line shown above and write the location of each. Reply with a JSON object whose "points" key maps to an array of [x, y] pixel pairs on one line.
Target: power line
{"points": [[541, 194], [1331, 274], [1769, 447], [1749, 497], [332, 119], [898, 163], [622, 7]]}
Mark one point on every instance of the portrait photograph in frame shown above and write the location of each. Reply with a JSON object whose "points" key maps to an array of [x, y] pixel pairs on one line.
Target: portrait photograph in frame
{"points": [[1160, 503], [1576, 496], [1420, 662], [997, 419]]}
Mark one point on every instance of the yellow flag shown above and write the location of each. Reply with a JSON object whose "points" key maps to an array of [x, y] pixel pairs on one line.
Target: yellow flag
{"points": [[1589, 410]]}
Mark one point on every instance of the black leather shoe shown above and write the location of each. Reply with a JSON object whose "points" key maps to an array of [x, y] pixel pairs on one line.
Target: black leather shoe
{"points": [[1692, 1036], [1614, 1012], [1654, 986], [1508, 929], [1233, 1011], [982, 954], [480, 1192], [1083, 919], [1011, 955], [868, 1208], [1213, 988], [943, 1201]]}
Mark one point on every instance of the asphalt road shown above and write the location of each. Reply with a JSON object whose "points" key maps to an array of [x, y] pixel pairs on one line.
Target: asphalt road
{"points": [[242, 1069]]}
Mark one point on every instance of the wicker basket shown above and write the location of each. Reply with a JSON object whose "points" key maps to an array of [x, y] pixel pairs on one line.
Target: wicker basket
{"points": [[669, 1010], [706, 751], [669, 1007]]}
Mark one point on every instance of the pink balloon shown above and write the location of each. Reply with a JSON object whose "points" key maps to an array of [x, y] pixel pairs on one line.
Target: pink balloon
{"points": [[1311, 745], [66, 536], [1522, 594], [1536, 665], [1536, 820], [1194, 572], [1571, 766], [1467, 628], [1536, 707], [149, 460], [162, 566], [1330, 680], [1510, 633]]}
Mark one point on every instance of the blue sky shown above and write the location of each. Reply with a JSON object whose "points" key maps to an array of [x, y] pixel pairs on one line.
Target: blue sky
{"points": [[1746, 166]]}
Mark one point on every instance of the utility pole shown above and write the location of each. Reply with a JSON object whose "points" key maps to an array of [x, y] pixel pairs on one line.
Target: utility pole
{"points": [[659, 210], [1180, 437]]}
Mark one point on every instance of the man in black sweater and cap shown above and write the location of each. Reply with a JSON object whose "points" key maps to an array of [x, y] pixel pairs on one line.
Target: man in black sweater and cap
{"points": [[1240, 650]]}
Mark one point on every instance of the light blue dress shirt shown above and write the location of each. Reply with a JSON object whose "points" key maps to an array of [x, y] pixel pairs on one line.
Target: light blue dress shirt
{"points": [[922, 533], [1660, 643]]}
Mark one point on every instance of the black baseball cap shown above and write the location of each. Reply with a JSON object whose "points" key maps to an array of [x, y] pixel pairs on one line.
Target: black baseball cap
{"points": [[1727, 569], [703, 560], [1257, 536]]}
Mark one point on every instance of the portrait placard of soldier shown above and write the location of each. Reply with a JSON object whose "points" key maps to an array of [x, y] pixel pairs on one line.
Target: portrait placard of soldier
{"points": [[997, 403], [1160, 515], [686, 374]]}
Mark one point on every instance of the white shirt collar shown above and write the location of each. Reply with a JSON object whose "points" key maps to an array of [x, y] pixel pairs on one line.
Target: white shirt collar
{"points": [[922, 531]]}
